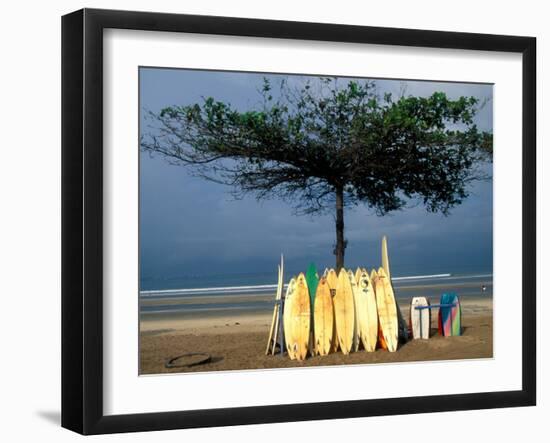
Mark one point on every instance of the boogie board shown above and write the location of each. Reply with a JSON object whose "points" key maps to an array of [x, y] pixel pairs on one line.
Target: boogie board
{"points": [[420, 318], [323, 318], [445, 316], [449, 319], [456, 316], [344, 312]]}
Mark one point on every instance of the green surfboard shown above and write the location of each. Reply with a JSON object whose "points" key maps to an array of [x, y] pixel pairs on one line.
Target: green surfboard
{"points": [[312, 279]]}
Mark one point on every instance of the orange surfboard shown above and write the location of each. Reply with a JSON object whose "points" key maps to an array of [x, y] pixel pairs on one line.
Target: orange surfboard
{"points": [[387, 311]]}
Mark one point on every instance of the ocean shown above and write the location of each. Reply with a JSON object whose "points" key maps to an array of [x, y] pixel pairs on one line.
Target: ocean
{"points": [[256, 293]]}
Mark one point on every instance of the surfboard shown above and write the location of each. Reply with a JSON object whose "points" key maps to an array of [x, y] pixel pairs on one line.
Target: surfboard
{"points": [[357, 299], [420, 318], [373, 275], [380, 339], [271, 329], [312, 279], [276, 334], [387, 311], [323, 318], [358, 274], [300, 318], [368, 318], [385, 258], [276, 318], [403, 333], [344, 312], [332, 281], [287, 315]]}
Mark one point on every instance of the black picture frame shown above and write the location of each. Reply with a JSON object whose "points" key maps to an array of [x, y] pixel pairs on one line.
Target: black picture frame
{"points": [[82, 216]]}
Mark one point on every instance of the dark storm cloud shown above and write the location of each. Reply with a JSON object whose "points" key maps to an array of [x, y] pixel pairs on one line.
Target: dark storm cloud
{"points": [[188, 225]]}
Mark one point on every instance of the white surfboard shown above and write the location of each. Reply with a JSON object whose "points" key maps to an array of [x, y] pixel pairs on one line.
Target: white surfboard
{"points": [[275, 321], [287, 316]]}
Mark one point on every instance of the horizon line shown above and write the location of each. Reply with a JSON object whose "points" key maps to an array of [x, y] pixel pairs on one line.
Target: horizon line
{"points": [[153, 292]]}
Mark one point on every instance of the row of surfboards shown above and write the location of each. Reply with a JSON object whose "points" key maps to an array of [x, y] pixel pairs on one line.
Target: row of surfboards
{"points": [[337, 311], [347, 310]]}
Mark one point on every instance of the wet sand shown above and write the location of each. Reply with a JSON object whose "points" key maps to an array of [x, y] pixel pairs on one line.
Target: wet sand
{"points": [[238, 342]]}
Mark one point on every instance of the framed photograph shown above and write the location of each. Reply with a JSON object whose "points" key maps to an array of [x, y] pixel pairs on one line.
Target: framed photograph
{"points": [[269, 221]]}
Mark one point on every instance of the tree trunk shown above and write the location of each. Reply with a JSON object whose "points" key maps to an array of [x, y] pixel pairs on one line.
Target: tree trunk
{"points": [[340, 242]]}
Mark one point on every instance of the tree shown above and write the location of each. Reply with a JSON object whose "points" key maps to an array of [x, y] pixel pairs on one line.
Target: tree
{"points": [[324, 147]]}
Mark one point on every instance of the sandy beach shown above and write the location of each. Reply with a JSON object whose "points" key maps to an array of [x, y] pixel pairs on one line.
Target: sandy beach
{"points": [[238, 341]]}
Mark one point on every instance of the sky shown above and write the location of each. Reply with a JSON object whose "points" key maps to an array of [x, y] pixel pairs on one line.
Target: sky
{"points": [[190, 227]]}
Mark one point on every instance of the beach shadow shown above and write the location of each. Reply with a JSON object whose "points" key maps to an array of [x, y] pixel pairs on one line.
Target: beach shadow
{"points": [[54, 417], [169, 363]]}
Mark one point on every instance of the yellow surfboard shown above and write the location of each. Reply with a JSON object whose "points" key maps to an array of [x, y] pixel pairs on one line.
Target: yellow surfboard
{"points": [[373, 275], [344, 311], [332, 281], [357, 274], [385, 258], [300, 318], [401, 323], [368, 319], [356, 301], [287, 315], [323, 318], [387, 311]]}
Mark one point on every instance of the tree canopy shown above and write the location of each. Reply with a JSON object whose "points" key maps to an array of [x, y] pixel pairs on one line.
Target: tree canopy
{"points": [[322, 145]]}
